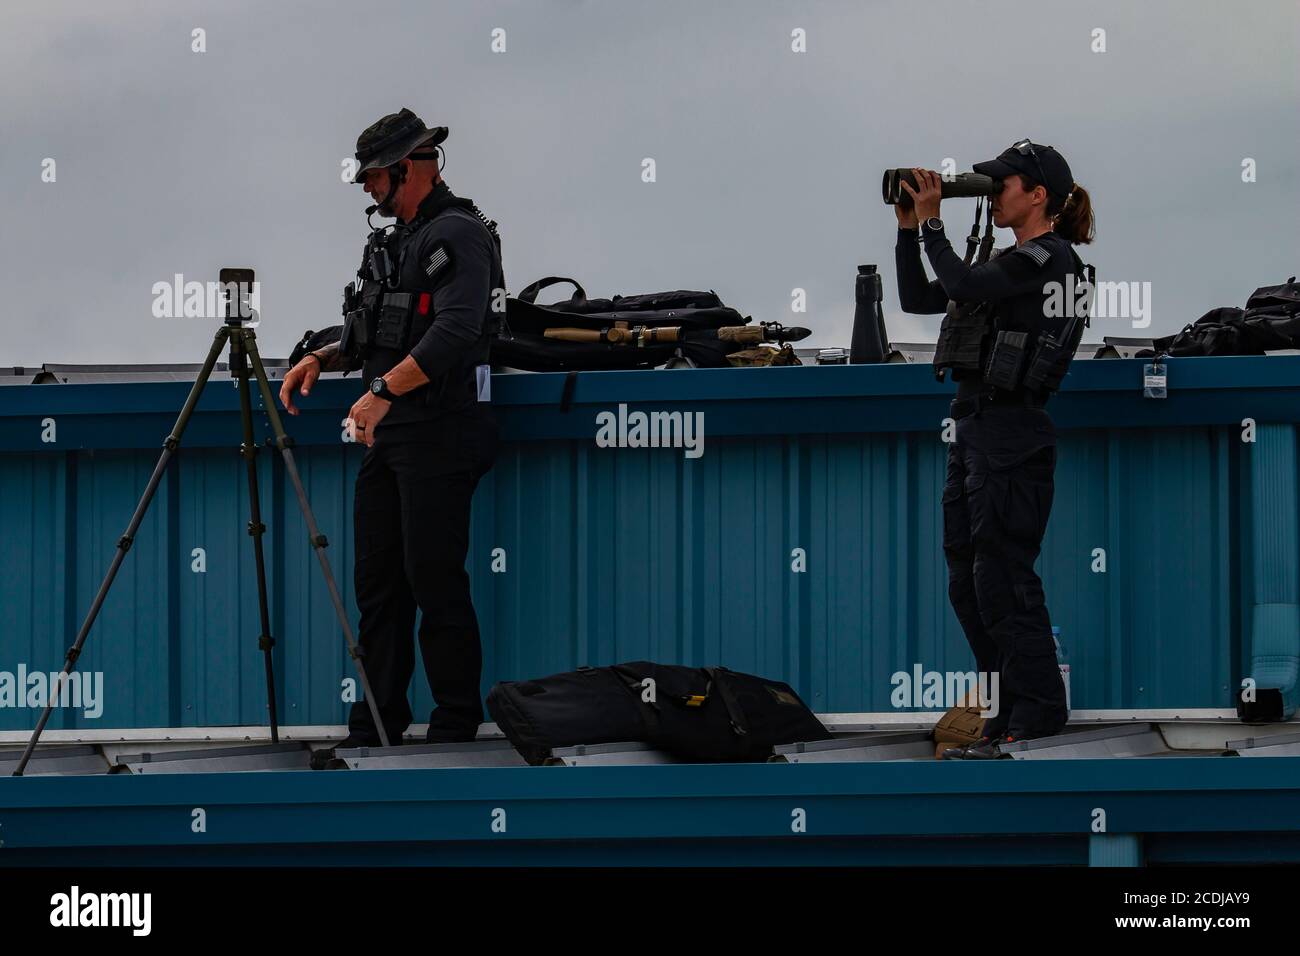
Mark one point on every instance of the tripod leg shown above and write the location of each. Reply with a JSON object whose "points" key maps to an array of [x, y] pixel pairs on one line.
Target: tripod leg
{"points": [[248, 450], [318, 540], [128, 537]]}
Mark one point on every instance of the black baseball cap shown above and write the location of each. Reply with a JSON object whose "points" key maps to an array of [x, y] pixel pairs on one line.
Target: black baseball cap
{"points": [[392, 138], [1042, 164]]}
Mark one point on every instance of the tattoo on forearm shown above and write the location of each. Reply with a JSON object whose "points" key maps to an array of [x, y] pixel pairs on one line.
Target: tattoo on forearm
{"points": [[330, 359]]}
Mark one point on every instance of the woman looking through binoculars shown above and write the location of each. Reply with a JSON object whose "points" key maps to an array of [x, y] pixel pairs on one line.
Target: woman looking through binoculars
{"points": [[1007, 338]]}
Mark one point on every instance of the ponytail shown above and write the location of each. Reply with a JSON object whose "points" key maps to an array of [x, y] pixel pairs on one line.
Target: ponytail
{"points": [[1074, 219], [1072, 216]]}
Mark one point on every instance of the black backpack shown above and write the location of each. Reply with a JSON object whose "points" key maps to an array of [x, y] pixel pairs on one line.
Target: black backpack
{"points": [[1281, 299], [522, 343], [1270, 321], [698, 714]]}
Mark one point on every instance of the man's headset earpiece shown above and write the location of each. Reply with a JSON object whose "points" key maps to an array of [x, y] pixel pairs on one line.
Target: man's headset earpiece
{"points": [[397, 175]]}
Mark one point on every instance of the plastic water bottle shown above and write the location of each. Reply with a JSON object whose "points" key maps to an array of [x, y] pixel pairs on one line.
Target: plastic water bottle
{"points": [[1060, 662]]}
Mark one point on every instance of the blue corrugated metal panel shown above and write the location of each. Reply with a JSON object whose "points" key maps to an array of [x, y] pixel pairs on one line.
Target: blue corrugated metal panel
{"points": [[618, 554], [34, 594], [312, 660], [131, 645], [220, 671]]}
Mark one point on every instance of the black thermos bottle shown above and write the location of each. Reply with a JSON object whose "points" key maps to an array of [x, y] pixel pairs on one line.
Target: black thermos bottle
{"points": [[869, 339]]}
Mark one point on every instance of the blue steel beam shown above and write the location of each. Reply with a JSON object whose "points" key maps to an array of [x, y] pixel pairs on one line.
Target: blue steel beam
{"points": [[1025, 811], [795, 400]]}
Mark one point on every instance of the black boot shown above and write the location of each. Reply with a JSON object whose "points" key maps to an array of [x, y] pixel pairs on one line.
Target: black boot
{"points": [[959, 752], [446, 728], [987, 748], [324, 759]]}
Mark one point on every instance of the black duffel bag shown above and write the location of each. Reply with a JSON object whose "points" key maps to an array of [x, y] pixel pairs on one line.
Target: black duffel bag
{"points": [[521, 341], [698, 714]]}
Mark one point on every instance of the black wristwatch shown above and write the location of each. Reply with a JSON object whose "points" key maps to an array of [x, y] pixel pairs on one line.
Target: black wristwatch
{"points": [[933, 224], [379, 389]]}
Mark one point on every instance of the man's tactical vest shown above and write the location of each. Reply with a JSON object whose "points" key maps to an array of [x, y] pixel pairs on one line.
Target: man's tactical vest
{"points": [[382, 320]]}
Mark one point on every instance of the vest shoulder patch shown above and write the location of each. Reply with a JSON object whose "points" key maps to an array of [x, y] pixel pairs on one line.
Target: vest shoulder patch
{"points": [[1034, 253], [437, 261]]}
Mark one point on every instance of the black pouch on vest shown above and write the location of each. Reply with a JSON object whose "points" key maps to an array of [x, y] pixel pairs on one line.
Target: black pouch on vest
{"points": [[1007, 360], [1050, 360], [355, 340], [1047, 367], [394, 323], [358, 335], [961, 334]]}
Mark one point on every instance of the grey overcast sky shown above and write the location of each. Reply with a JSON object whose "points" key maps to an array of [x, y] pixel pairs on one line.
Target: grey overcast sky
{"points": [[768, 161]]}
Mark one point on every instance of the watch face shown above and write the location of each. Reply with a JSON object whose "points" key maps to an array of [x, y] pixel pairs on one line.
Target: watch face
{"points": [[377, 386], [934, 224]]}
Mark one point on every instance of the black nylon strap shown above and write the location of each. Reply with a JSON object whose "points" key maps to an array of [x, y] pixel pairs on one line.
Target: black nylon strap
{"points": [[973, 240], [1092, 284], [986, 244], [529, 294], [738, 723]]}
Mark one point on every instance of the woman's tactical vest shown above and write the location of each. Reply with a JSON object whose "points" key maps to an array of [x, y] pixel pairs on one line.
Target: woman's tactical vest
{"points": [[970, 342]]}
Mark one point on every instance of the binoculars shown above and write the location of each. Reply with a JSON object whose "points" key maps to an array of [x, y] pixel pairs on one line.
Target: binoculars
{"points": [[963, 184]]}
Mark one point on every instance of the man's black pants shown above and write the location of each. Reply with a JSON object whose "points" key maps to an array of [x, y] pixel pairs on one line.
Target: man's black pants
{"points": [[996, 502], [411, 517]]}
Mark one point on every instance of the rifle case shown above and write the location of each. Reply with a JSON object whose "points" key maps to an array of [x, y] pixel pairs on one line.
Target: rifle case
{"points": [[522, 343]]}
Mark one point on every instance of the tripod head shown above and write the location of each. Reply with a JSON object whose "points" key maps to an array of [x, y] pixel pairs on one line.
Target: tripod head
{"points": [[237, 291]]}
